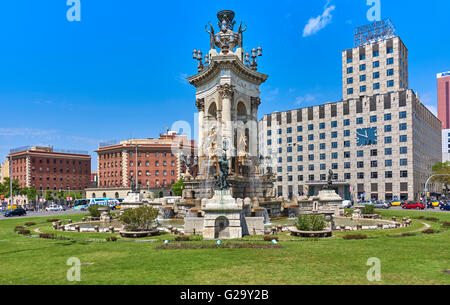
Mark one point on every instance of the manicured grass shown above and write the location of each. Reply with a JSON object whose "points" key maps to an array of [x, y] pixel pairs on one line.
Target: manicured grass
{"points": [[404, 260]]}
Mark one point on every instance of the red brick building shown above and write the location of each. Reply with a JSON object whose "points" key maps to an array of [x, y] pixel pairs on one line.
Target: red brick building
{"points": [[443, 83], [152, 161], [45, 168]]}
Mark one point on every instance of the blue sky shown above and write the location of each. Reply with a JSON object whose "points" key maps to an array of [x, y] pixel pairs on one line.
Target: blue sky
{"points": [[120, 72]]}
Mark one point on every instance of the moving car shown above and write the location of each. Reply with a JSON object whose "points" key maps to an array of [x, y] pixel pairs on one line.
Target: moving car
{"points": [[15, 212], [54, 208], [381, 205], [410, 205], [397, 203]]}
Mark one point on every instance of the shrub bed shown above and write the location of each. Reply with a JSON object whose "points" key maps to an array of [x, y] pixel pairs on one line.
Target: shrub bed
{"points": [[29, 224], [53, 220], [186, 246], [432, 219], [421, 217], [269, 238], [446, 224], [24, 232], [18, 228], [355, 236], [428, 231], [47, 235], [182, 238]]}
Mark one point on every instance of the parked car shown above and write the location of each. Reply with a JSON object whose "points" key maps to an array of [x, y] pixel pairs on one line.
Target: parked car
{"points": [[16, 212], [346, 204], [381, 205], [410, 205], [445, 207]]}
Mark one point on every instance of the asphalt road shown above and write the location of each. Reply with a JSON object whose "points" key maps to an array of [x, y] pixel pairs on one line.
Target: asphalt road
{"points": [[426, 210], [44, 213]]}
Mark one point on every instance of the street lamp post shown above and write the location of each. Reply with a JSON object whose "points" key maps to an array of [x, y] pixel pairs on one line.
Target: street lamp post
{"points": [[428, 181], [10, 183]]}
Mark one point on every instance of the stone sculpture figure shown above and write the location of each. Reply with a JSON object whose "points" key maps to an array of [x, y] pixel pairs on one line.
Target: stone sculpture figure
{"points": [[211, 36], [330, 181], [222, 177], [133, 185]]}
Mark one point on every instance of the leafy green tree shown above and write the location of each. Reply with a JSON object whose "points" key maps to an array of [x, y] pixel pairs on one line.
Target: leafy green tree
{"points": [[442, 168], [15, 187], [178, 187], [48, 195], [31, 193]]}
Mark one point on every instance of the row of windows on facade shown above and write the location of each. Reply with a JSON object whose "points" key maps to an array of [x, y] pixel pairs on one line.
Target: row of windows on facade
{"points": [[147, 163], [361, 188], [62, 178], [347, 155], [333, 145], [68, 170], [347, 165], [147, 183], [61, 161], [147, 173], [346, 122], [376, 51], [334, 113], [347, 176], [376, 86], [61, 187], [131, 153], [376, 64]]}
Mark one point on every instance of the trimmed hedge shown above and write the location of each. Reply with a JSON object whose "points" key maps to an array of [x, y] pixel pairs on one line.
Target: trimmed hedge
{"points": [[355, 236], [18, 228], [428, 231], [446, 224], [182, 238], [269, 238], [29, 224], [53, 220], [24, 232], [47, 235]]}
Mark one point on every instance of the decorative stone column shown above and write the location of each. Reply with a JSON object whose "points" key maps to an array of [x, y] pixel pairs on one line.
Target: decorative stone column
{"points": [[201, 117], [226, 94]]}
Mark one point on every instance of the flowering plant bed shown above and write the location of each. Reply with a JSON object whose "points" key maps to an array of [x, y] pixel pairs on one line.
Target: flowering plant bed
{"points": [[187, 246]]}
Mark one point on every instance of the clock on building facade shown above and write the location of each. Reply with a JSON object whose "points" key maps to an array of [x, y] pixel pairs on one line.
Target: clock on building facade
{"points": [[367, 136]]}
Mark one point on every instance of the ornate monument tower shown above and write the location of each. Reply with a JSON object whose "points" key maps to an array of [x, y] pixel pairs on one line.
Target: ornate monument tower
{"points": [[227, 99]]}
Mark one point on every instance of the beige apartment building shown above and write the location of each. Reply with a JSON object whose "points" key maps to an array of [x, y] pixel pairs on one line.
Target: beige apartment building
{"points": [[380, 141], [4, 170], [380, 147], [375, 66]]}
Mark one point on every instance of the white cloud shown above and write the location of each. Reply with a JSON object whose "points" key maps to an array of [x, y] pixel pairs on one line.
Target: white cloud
{"points": [[15, 132], [308, 98], [314, 25]]}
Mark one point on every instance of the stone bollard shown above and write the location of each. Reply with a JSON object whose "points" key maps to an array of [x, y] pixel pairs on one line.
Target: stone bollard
{"points": [[380, 226], [359, 227], [83, 219], [59, 223], [279, 228], [77, 228], [69, 221], [111, 229], [404, 219], [274, 230], [96, 228], [54, 225], [394, 218]]}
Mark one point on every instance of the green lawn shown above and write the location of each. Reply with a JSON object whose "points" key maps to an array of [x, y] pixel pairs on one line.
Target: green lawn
{"points": [[404, 260]]}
